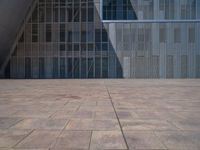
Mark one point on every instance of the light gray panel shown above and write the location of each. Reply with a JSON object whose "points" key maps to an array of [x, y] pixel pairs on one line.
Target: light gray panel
{"points": [[126, 67]]}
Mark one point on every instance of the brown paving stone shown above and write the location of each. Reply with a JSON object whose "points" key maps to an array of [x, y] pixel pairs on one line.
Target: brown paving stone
{"points": [[63, 114], [39, 139], [180, 140], [104, 115], [143, 140], [83, 114], [73, 140], [6, 123], [188, 124], [33, 113], [9, 138], [20, 149], [124, 115], [50, 124], [90, 124], [170, 107], [138, 124], [107, 140]]}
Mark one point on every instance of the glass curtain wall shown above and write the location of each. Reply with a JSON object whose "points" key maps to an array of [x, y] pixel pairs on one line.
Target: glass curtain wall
{"points": [[62, 39]]}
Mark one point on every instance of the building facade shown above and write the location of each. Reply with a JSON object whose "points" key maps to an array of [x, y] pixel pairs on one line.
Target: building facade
{"points": [[108, 39]]}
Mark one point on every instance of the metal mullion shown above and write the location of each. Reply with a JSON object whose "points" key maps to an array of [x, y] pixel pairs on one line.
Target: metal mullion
{"points": [[45, 25], [86, 52], [101, 51], [66, 38], [31, 56], [80, 23], [38, 28], [93, 61], [72, 44], [108, 53], [58, 42]]}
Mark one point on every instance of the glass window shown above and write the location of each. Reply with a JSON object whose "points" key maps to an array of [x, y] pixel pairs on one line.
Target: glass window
{"points": [[76, 13], [118, 10], [83, 14], [191, 36], [62, 47], [83, 68], [76, 68], [55, 67], [41, 68], [48, 13], [76, 47], [55, 14], [48, 33], [41, 12], [90, 68], [162, 35], [27, 68], [62, 15], [34, 33], [62, 67], [69, 66], [90, 15], [177, 35], [97, 35], [62, 33], [98, 67]]}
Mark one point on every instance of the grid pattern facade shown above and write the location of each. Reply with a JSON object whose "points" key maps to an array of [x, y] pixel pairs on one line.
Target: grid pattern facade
{"points": [[149, 9], [68, 39]]}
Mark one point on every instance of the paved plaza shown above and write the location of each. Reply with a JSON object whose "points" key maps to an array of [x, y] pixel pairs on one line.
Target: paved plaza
{"points": [[99, 114]]}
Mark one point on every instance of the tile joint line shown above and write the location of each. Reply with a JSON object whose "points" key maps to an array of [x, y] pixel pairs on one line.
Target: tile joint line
{"points": [[116, 116]]}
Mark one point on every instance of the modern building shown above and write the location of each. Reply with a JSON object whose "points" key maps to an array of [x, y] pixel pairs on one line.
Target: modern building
{"points": [[102, 39]]}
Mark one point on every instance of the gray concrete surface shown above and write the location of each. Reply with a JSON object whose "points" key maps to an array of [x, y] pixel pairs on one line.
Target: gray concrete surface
{"points": [[99, 114]]}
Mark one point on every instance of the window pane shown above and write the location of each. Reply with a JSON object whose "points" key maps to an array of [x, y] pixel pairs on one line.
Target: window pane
{"points": [[118, 10]]}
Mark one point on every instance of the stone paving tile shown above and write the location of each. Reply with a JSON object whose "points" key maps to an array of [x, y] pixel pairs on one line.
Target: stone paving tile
{"points": [[73, 140], [124, 115], [104, 103], [39, 139], [143, 140], [9, 138], [101, 115], [33, 113], [168, 108], [20, 149], [138, 124], [50, 124], [84, 114], [91, 124], [180, 140], [62, 114], [188, 124], [97, 108], [4, 113], [6, 123], [107, 140]]}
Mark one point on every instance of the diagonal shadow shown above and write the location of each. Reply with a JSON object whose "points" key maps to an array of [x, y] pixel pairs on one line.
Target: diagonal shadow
{"points": [[93, 55]]}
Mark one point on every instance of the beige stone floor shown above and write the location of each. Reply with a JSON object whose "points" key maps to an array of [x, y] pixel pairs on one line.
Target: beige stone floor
{"points": [[99, 114]]}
